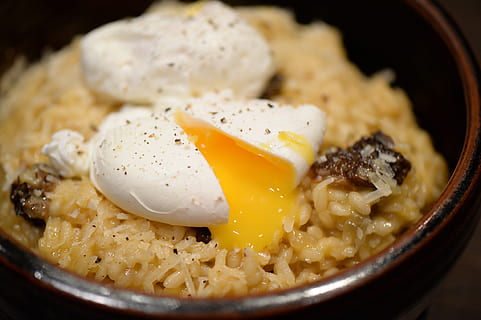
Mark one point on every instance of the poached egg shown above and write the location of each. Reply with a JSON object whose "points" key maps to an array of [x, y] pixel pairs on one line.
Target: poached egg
{"points": [[232, 165], [178, 53]]}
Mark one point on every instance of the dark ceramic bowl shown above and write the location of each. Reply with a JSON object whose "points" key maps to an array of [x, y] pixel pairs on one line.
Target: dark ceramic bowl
{"points": [[433, 65]]}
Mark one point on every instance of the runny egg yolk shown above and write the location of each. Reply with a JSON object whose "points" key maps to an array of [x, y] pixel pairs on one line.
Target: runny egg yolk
{"points": [[259, 187]]}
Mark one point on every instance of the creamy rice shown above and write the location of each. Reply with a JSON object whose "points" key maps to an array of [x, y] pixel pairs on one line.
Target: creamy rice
{"points": [[335, 229]]}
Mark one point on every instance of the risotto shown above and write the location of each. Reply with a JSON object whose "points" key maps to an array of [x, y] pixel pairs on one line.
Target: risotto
{"points": [[343, 217]]}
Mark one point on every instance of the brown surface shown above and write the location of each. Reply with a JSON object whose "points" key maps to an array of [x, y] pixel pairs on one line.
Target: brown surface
{"points": [[459, 296]]}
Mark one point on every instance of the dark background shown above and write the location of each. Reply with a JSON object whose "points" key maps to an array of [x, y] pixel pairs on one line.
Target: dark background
{"points": [[459, 296]]}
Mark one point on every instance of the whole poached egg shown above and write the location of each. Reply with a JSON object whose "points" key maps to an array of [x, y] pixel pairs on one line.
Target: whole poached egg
{"points": [[179, 51], [221, 160]]}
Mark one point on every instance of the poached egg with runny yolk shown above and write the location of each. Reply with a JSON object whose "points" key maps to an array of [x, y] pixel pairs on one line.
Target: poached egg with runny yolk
{"points": [[231, 165]]}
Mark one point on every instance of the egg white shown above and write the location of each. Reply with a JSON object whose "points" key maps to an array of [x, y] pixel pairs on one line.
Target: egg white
{"points": [[149, 167]]}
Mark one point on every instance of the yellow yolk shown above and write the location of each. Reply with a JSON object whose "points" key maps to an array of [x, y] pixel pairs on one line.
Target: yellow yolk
{"points": [[194, 8], [297, 143], [259, 188]]}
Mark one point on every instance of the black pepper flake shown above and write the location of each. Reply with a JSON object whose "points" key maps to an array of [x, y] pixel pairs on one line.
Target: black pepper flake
{"points": [[177, 141], [167, 109], [223, 120], [270, 105], [175, 251], [94, 128], [127, 238], [98, 260], [212, 23]]}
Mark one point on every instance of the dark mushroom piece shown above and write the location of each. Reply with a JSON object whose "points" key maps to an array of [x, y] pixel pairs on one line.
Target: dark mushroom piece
{"points": [[367, 158], [29, 191]]}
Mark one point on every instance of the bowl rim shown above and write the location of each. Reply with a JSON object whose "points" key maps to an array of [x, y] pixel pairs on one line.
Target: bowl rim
{"points": [[462, 184]]}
